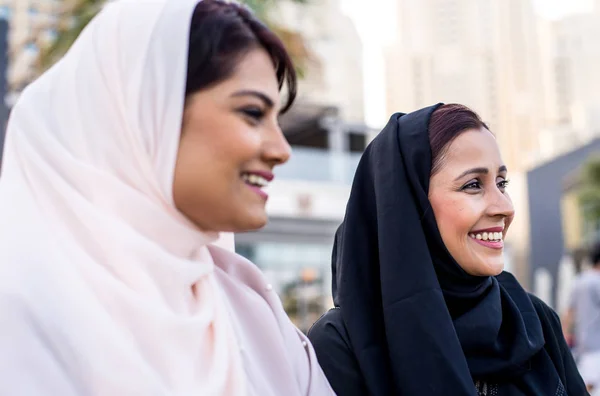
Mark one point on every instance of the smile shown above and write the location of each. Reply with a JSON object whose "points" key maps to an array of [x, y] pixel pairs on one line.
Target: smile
{"points": [[493, 238], [257, 181], [487, 236]]}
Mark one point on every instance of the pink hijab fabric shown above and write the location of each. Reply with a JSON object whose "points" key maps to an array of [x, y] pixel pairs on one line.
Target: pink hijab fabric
{"points": [[105, 288]]}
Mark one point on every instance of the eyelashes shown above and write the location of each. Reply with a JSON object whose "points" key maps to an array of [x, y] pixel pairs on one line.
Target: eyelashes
{"points": [[254, 114], [476, 185]]}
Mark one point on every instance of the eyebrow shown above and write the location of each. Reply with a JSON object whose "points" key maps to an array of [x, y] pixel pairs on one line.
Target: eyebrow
{"points": [[268, 101], [480, 171]]}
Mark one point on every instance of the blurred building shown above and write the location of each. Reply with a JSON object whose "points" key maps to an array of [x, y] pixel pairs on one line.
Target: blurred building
{"points": [[481, 53], [334, 73], [484, 54], [560, 231], [3, 68], [327, 133], [32, 23], [571, 82]]}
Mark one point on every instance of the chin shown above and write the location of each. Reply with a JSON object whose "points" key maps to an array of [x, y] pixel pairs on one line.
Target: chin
{"points": [[484, 268], [493, 269], [253, 222]]}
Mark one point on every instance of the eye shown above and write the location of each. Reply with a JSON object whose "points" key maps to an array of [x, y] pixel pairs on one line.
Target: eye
{"points": [[472, 186], [255, 114], [503, 184]]}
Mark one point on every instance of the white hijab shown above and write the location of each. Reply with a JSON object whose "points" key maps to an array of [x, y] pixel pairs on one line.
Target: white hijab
{"points": [[105, 288]]}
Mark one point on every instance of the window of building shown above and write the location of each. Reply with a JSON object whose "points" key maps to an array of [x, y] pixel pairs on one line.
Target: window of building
{"points": [[357, 142], [32, 11]]}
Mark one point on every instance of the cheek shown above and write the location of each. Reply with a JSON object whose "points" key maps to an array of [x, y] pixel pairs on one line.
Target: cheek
{"points": [[213, 152], [231, 136], [455, 218], [224, 144], [190, 172]]}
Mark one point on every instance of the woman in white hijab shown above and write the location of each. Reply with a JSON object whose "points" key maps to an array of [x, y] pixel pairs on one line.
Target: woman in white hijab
{"points": [[119, 174]]}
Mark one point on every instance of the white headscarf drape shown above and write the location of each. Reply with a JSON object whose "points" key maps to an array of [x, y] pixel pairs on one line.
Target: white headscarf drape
{"points": [[105, 288]]}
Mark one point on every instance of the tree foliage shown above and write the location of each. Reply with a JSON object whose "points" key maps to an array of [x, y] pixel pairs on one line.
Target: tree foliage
{"points": [[589, 195]]}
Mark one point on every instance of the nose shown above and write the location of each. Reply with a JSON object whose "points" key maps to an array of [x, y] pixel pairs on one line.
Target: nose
{"points": [[500, 205], [276, 149]]}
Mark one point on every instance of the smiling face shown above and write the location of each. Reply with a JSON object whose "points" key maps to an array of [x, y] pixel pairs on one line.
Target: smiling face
{"points": [[230, 143], [471, 207]]}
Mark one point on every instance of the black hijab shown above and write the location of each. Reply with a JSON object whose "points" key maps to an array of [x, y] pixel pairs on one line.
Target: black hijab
{"points": [[418, 324]]}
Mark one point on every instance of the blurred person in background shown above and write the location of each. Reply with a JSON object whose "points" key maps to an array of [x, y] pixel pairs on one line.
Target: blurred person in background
{"points": [[156, 133], [422, 305], [581, 322]]}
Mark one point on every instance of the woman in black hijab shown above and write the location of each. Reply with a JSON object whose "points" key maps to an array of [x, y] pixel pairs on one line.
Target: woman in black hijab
{"points": [[422, 306]]}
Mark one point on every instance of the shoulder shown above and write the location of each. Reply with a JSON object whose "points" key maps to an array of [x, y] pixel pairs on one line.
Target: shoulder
{"points": [[330, 327], [542, 308], [551, 326], [335, 355], [557, 348], [547, 315], [538, 303], [234, 267]]}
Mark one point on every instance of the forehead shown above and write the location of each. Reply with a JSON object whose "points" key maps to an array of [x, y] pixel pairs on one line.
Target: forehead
{"points": [[255, 71], [474, 148]]}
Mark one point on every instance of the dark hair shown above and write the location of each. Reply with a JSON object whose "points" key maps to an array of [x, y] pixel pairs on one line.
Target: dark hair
{"points": [[446, 124], [221, 33], [595, 255]]}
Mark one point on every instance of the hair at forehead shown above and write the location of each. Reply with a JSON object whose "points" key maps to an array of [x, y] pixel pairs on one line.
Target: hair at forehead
{"points": [[221, 33], [446, 124]]}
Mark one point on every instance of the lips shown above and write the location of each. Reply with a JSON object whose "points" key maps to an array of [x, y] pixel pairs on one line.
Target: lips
{"points": [[257, 180], [497, 245]]}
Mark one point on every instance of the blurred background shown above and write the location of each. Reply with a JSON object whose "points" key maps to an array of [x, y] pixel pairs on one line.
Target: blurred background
{"points": [[531, 69]]}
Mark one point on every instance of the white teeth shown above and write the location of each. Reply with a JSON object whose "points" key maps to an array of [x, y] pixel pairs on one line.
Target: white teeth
{"points": [[255, 180], [487, 236]]}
